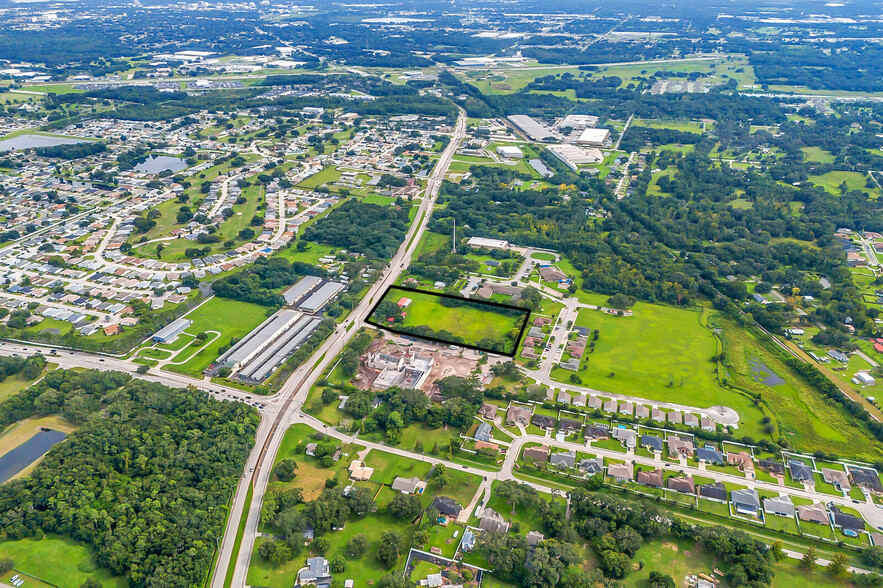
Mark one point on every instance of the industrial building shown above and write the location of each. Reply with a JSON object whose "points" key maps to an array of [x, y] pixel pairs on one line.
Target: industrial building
{"points": [[301, 289], [578, 122], [533, 129], [321, 297], [489, 243], [574, 156], [510, 152], [593, 137], [171, 331], [256, 341], [265, 363]]}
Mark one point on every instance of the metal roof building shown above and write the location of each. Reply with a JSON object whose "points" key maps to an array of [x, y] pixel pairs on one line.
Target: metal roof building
{"points": [[171, 330], [265, 333], [320, 297], [279, 350], [534, 130], [296, 292]]}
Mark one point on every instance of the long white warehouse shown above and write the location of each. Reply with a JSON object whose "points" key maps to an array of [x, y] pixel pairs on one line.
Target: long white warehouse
{"points": [[257, 340], [320, 297]]}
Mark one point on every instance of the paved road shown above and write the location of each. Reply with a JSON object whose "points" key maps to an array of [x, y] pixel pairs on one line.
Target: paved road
{"points": [[872, 514], [294, 391]]}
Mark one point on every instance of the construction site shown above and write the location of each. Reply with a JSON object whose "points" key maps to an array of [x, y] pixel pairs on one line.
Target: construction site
{"points": [[399, 362]]}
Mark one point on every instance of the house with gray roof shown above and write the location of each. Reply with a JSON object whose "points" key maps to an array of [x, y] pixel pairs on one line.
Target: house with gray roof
{"points": [[866, 478], [484, 432], [407, 485], [799, 471], [592, 466], [716, 491], [563, 460], [710, 455], [779, 505], [652, 442], [627, 437], [847, 521], [316, 572], [745, 501]]}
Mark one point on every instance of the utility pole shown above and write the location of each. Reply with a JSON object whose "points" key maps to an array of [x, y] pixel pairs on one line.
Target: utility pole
{"points": [[454, 242]]}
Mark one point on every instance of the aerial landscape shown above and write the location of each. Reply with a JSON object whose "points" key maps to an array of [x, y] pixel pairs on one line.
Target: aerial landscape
{"points": [[504, 294]]}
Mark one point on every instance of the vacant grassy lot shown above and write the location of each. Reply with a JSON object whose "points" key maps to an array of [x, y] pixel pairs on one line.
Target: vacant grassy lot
{"points": [[470, 323], [660, 353], [17, 382], [231, 317], [817, 155], [831, 182], [57, 560]]}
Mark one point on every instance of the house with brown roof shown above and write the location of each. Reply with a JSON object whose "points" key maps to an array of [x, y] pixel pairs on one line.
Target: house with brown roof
{"points": [[593, 402], [543, 421], [594, 432], [656, 478], [773, 467], [813, 513], [657, 415], [493, 521], [678, 447], [683, 484], [538, 454], [642, 412], [620, 471], [488, 411], [518, 414], [838, 478], [691, 420], [742, 460], [610, 406], [675, 417], [626, 408]]}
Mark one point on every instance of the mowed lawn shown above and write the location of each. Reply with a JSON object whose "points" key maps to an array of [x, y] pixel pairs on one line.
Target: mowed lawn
{"points": [[230, 317], [471, 323], [660, 353], [57, 560]]}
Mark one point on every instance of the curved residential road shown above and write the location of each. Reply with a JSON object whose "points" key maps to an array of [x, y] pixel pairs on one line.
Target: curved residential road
{"points": [[294, 391]]}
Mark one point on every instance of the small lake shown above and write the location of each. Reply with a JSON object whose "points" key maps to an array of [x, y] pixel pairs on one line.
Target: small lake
{"points": [[28, 140], [159, 163], [28, 452]]}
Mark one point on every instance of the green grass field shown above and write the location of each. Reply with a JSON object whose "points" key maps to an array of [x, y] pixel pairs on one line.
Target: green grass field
{"points": [[671, 340], [471, 324], [17, 382], [831, 182], [58, 561], [231, 317], [804, 417], [817, 155]]}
